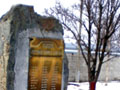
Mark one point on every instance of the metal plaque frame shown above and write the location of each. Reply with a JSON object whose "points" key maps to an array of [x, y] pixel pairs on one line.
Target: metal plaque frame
{"points": [[45, 64]]}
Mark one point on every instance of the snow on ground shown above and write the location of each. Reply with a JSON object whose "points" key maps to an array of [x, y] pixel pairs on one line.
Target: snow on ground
{"points": [[114, 85]]}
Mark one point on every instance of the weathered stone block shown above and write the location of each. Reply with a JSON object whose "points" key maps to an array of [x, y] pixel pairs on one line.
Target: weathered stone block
{"points": [[17, 27]]}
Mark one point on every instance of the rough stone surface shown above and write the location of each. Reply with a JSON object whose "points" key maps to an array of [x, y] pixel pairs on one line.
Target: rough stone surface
{"points": [[16, 27], [4, 51]]}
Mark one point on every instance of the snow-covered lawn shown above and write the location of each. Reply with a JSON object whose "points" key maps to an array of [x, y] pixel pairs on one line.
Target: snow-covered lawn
{"points": [[114, 85]]}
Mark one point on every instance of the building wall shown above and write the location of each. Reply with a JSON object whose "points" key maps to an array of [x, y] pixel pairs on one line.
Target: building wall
{"points": [[72, 58], [110, 70]]}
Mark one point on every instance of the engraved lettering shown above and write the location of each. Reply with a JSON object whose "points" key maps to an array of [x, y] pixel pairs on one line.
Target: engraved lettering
{"points": [[45, 67]]}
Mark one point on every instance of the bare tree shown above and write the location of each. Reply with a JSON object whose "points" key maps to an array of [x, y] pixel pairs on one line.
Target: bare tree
{"points": [[96, 25]]}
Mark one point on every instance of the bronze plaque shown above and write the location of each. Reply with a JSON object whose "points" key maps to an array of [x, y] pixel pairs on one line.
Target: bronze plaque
{"points": [[45, 65]]}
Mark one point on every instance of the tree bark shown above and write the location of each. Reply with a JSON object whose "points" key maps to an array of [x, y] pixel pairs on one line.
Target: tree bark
{"points": [[92, 85]]}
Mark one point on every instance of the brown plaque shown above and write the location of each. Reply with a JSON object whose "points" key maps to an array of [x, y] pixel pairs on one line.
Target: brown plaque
{"points": [[45, 64]]}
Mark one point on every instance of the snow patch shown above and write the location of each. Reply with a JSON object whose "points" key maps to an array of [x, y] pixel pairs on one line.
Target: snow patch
{"points": [[114, 85]]}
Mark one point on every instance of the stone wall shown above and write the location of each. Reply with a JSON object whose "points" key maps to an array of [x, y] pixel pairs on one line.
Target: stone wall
{"points": [[72, 66], [110, 70], [75, 65]]}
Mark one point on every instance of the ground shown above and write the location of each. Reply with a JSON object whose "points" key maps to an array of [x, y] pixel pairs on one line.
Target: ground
{"points": [[113, 85]]}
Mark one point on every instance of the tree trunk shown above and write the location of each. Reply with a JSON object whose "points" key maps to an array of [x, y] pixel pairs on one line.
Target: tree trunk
{"points": [[92, 85]]}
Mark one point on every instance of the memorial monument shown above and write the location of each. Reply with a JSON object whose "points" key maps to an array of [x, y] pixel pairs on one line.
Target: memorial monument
{"points": [[31, 51]]}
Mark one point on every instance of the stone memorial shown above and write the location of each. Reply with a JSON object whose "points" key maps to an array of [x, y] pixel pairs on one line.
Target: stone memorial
{"points": [[32, 53]]}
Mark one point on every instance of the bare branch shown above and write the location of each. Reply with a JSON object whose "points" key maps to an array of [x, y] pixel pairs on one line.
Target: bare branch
{"points": [[110, 59]]}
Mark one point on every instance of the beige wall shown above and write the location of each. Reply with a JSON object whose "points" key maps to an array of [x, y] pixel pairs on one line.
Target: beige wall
{"points": [[110, 70]]}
